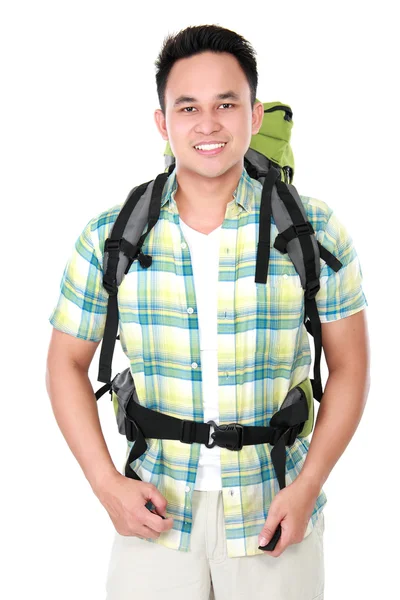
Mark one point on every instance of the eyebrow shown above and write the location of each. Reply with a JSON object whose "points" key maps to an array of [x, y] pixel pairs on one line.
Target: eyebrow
{"points": [[230, 95]]}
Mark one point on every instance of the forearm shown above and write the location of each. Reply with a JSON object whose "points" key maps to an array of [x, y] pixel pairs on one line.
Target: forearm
{"points": [[75, 409], [338, 417]]}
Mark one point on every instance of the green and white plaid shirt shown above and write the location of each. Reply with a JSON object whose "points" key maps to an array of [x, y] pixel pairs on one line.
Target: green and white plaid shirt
{"points": [[263, 346]]}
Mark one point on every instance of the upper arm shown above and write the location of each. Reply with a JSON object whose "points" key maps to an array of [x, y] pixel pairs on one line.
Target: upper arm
{"points": [[72, 349], [346, 343], [79, 316]]}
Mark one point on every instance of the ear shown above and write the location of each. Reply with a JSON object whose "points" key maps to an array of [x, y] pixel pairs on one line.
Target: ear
{"points": [[160, 121], [257, 117]]}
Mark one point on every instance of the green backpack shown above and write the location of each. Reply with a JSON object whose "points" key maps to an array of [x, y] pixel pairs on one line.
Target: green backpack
{"points": [[269, 160]]}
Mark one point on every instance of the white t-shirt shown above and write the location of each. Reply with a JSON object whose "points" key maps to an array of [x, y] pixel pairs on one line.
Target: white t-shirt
{"points": [[204, 253]]}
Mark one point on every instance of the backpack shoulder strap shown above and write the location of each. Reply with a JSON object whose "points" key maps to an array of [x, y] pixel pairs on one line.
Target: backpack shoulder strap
{"points": [[296, 237], [140, 210]]}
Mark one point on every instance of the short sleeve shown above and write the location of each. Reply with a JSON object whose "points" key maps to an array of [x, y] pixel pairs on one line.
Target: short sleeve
{"points": [[341, 293], [81, 309]]}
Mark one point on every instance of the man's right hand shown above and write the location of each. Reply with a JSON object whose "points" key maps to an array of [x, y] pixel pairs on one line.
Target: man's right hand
{"points": [[124, 499]]}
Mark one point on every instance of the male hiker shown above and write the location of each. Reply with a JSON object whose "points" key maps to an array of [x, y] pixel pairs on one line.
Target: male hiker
{"points": [[206, 342]]}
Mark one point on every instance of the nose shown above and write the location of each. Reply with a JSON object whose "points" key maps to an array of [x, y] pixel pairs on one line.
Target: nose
{"points": [[207, 125]]}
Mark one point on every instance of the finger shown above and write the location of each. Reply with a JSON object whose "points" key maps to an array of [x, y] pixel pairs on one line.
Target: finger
{"points": [[148, 532], [142, 533], [156, 522], [281, 545], [269, 529], [152, 532], [277, 551], [157, 499]]}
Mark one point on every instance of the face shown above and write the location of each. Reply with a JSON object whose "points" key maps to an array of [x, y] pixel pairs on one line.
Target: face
{"points": [[194, 113]]}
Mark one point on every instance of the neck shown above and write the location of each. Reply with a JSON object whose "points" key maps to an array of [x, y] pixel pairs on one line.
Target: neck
{"points": [[205, 198]]}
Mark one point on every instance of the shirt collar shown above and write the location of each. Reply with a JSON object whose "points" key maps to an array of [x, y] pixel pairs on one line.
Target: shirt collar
{"points": [[242, 196]]}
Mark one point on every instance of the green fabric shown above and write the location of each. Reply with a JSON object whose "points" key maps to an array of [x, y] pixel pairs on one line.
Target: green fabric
{"points": [[273, 138], [115, 402], [309, 424]]}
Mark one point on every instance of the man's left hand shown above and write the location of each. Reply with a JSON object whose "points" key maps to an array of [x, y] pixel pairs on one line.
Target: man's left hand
{"points": [[292, 507]]}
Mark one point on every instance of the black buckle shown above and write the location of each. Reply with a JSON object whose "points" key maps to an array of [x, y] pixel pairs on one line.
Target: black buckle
{"points": [[312, 288], [303, 228], [110, 244], [110, 285], [187, 431], [227, 436]]}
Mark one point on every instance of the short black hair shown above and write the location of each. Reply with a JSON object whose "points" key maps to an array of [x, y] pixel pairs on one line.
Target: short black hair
{"points": [[201, 38]]}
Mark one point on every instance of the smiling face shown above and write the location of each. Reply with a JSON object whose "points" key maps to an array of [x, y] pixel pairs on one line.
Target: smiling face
{"points": [[207, 100]]}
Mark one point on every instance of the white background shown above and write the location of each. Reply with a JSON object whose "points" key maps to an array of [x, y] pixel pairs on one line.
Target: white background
{"points": [[78, 95]]}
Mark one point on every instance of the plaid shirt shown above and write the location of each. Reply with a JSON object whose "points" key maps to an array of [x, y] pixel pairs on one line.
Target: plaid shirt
{"points": [[263, 347]]}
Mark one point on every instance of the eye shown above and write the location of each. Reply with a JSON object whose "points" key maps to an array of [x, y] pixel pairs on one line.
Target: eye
{"points": [[224, 104]]}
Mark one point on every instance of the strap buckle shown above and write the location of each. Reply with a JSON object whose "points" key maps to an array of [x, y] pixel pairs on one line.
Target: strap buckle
{"points": [[303, 228], [112, 245], [187, 431], [312, 289], [110, 285], [227, 436]]}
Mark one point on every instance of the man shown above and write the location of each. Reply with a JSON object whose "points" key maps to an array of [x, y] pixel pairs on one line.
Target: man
{"points": [[205, 342]]}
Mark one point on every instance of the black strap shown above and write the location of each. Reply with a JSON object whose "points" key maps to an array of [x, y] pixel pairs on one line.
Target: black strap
{"points": [[282, 431], [290, 419], [314, 328], [283, 238], [108, 343], [285, 425], [329, 258], [128, 249], [303, 230], [153, 215], [264, 227], [114, 244], [293, 231], [105, 388], [304, 238]]}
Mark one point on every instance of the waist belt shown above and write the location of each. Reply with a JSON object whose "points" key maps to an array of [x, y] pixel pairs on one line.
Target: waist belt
{"points": [[284, 427], [138, 422], [142, 422]]}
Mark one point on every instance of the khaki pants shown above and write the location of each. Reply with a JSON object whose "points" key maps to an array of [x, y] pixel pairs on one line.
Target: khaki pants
{"points": [[139, 569]]}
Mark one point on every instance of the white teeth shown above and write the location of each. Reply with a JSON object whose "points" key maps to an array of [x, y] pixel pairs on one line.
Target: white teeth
{"points": [[210, 146]]}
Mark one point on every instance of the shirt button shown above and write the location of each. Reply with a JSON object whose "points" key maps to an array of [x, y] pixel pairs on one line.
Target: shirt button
{"points": [[194, 365], [285, 276], [190, 310], [231, 492], [183, 245], [187, 488], [227, 373]]}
